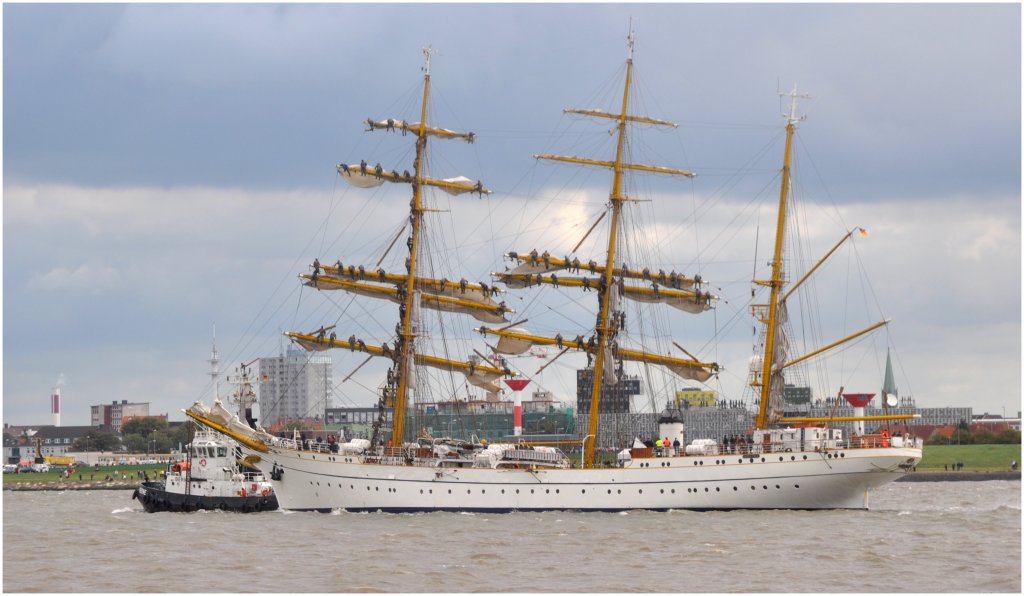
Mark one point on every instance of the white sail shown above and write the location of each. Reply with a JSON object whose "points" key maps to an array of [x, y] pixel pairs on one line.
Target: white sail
{"points": [[690, 372], [514, 345], [609, 377], [674, 298], [355, 177]]}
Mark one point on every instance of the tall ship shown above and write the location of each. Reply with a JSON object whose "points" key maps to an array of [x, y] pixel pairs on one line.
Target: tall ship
{"points": [[780, 463]]}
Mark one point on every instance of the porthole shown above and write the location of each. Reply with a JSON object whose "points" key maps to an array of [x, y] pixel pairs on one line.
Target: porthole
{"points": [[662, 491], [517, 491], [777, 487], [842, 455], [706, 489], [640, 492], [468, 491], [805, 457], [792, 457], [547, 491], [609, 491], [376, 488], [796, 486], [752, 487], [673, 491], [739, 461], [502, 491], [780, 458], [531, 491], [619, 491], [421, 491], [766, 487], [718, 489], [556, 491], [583, 492], [762, 460], [449, 491], [735, 488]]}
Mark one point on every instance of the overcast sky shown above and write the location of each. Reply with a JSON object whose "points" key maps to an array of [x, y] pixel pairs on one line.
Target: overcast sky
{"points": [[168, 166]]}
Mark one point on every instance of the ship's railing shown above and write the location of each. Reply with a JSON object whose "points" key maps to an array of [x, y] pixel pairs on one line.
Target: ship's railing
{"points": [[867, 441], [307, 445]]}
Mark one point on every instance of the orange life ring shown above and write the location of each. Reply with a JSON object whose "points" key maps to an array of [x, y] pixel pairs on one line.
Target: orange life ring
{"points": [[885, 438], [202, 462], [243, 492], [266, 492], [254, 488]]}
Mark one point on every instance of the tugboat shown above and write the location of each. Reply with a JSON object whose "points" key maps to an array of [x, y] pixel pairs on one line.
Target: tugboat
{"points": [[210, 478], [212, 475]]}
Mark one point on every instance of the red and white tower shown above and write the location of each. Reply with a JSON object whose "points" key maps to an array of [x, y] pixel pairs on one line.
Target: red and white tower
{"points": [[517, 386], [55, 401]]}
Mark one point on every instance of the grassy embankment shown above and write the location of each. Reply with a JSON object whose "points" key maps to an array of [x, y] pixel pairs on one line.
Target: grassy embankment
{"points": [[975, 458], [89, 476]]}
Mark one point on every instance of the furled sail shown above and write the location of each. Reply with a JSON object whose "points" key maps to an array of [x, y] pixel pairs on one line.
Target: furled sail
{"points": [[532, 262], [692, 301], [478, 374], [395, 125], [482, 309], [780, 354], [464, 289], [367, 176], [516, 341]]}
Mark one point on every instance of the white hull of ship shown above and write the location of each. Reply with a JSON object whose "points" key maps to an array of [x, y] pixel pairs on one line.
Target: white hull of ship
{"points": [[839, 479]]}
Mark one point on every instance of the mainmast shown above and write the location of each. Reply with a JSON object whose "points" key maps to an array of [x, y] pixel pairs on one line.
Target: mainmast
{"points": [[679, 291], [606, 334]]}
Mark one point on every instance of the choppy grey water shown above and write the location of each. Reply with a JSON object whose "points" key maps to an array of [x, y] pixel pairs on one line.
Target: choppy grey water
{"points": [[918, 537]]}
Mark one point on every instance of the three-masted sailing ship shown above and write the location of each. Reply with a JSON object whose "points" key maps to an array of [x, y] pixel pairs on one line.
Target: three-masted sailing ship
{"points": [[801, 464]]}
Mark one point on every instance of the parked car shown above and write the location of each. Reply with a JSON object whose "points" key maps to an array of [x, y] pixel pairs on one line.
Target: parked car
{"points": [[40, 467], [10, 468]]}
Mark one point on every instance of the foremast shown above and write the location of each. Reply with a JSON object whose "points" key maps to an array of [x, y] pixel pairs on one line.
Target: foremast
{"points": [[409, 291], [405, 347]]}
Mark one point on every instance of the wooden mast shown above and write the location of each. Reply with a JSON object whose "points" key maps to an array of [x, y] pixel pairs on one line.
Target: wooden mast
{"points": [[405, 355]]}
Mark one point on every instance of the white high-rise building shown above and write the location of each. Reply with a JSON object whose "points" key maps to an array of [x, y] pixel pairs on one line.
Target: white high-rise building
{"points": [[297, 384]]}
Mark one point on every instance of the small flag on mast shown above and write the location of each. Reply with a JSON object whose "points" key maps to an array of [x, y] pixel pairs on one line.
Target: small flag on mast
{"points": [[863, 232]]}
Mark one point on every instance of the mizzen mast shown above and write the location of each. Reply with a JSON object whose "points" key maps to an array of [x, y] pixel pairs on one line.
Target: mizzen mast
{"points": [[771, 378]]}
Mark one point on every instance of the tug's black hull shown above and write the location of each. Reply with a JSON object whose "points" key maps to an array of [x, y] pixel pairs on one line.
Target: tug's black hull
{"points": [[154, 498]]}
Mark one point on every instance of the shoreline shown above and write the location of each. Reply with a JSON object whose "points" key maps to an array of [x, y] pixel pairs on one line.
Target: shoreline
{"points": [[958, 476], [131, 485]]}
